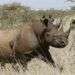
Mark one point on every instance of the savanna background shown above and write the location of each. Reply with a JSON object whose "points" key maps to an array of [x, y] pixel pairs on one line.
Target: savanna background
{"points": [[15, 15]]}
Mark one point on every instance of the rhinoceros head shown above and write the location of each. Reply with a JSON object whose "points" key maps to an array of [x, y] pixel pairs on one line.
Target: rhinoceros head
{"points": [[56, 37]]}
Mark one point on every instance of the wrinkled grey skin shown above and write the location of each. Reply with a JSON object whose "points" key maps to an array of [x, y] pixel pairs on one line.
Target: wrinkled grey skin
{"points": [[50, 37], [57, 38]]}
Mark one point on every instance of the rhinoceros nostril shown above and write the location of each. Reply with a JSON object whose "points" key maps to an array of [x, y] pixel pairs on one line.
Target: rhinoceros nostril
{"points": [[63, 43]]}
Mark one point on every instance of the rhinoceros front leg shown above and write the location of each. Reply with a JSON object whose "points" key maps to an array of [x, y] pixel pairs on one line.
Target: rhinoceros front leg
{"points": [[45, 54], [48, 56]]}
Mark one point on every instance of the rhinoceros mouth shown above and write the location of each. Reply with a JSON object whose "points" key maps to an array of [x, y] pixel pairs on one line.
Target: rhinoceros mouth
{"points": [[58, 45], [60, 42]]}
